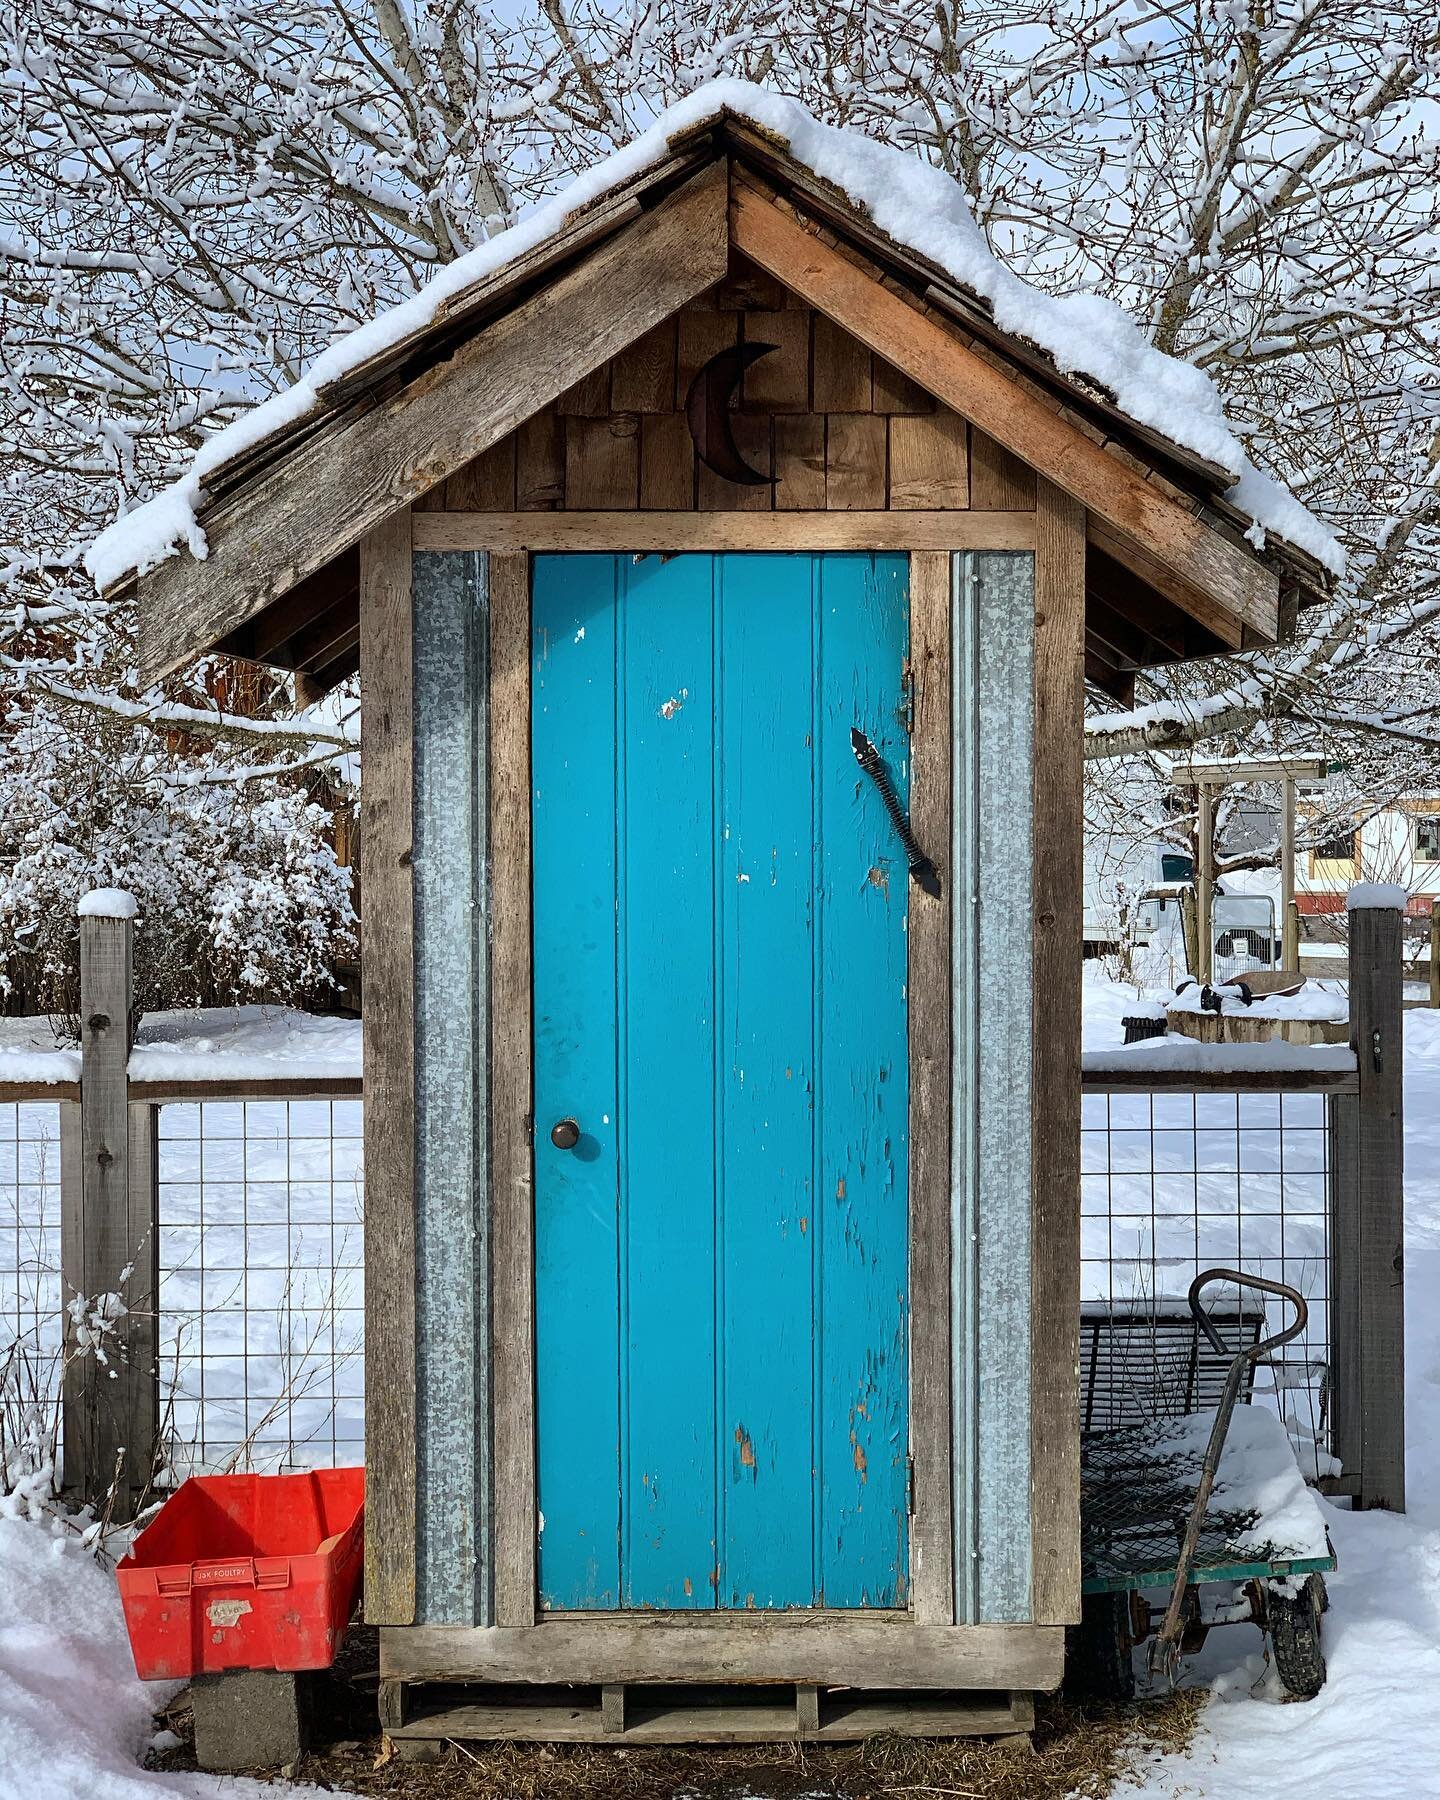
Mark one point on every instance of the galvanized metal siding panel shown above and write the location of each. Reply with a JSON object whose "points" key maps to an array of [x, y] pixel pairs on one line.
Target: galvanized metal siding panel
{"points": [[993, 637], [451, 1091]]}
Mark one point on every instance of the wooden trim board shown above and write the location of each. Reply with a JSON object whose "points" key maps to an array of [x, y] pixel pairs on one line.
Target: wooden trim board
{"points": [[1140, 526], [828, 1649], [1055, 1102], [387, 687], [818, 531], [511, 1155], [932, 1585]]}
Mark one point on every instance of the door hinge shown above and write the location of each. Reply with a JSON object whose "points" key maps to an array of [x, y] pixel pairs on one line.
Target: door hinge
{"points": [[910, 1486], [907, 699]]}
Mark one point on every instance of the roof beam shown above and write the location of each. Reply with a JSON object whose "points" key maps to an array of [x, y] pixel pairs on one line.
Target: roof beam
{"points": [[1151, 534], [297, 514]]}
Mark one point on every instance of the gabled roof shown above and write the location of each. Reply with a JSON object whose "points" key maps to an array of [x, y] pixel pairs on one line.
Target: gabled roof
{"points": [[1158, 420]]}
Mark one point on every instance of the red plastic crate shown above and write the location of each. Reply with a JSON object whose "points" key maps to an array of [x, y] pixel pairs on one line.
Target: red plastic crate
{"points": [[245, 1572]]}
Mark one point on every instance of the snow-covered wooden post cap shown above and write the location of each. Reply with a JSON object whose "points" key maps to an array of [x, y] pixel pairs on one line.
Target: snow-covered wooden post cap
{"points": [[1377, 896], [108, 903]]}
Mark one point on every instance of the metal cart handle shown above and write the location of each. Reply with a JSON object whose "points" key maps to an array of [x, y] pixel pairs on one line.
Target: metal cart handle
{"points": [[1166, 1647], [1251, 1352]]}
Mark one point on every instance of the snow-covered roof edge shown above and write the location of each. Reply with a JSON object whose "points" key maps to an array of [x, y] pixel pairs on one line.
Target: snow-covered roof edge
{"points": [[915, 204]]}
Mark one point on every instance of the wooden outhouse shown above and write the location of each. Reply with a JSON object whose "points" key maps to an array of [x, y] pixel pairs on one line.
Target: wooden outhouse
{"points": [[723, 581]]}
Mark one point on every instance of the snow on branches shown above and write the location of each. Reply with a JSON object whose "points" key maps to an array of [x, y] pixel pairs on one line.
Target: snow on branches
{"points": [[198, 196]]}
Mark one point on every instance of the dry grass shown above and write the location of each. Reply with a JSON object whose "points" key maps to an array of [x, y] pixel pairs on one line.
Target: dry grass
{"points": [[1080, 1752]]}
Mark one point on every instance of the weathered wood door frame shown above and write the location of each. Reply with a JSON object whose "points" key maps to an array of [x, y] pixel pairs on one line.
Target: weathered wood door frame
{"points": [[512, 1220], [1014, 1655]]}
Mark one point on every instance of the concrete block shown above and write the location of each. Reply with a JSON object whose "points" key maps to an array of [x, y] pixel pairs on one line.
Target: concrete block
{"points": [[249, 1719]]}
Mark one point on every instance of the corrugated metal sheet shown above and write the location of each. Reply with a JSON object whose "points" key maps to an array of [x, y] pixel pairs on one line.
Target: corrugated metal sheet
{"points": [[451, 1090], [993, 688]]}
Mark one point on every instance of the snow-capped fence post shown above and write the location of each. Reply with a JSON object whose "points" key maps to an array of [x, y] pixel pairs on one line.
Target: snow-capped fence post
{"points": [[1367, 1211], [109, 1236]]}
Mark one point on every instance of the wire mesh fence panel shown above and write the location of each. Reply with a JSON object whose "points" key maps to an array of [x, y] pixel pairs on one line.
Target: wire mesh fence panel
{"points": [[1173, 1183], [32, 1310], [261, 1287]]}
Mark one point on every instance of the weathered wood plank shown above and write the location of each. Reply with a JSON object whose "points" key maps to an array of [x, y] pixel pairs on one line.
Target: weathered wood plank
{"points": [[855, 462], [111, 1399], [725, 531], [1378, 1040], [928, 985], [751, 432], [387, 801], [840, 369], [892, 392], [999, 481], [1056, 965], [667, 463], [799, 440], [486, 483], [588, 398], [511, 1162], [540, 462], [779, 382], [829, 1649], [929, 461], [1193, 566], [295, 517], [602, 462], [642, 376], [703, 333]]}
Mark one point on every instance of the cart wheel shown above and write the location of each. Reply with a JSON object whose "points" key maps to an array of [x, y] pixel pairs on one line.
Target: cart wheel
{"points": [[1097, 1650], [1294, 1621]]}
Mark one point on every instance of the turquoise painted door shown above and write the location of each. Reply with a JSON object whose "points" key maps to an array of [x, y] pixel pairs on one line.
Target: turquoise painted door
{"points": [[719, 964]]}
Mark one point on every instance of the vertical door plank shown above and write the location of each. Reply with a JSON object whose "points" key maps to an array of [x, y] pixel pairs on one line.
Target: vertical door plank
{"points": [[577, 1242], [1055, 1205], [855, 462], [928, 986], [929, 462], [862, 1085], [589, 398], [766, 1060], [667, 463], [668, 834], [512, 1236], [799, 440], [602, 463], [386, 685]]}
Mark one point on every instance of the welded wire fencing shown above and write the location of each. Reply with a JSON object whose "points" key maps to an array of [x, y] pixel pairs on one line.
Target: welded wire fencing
{"points": [[1174, 1183]]}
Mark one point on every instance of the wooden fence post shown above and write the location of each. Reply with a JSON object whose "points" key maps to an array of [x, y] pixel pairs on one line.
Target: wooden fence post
{"points": [[109, 1239], [1434, 969], [1368, 1222]]}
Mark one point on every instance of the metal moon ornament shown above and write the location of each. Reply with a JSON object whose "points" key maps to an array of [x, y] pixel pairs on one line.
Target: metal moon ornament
{"points": [[707, 411]]}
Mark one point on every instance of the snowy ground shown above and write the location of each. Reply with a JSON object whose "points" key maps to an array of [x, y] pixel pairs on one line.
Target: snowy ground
{"points": [[74, 1720]]}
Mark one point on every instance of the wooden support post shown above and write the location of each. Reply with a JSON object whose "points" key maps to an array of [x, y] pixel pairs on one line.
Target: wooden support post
{"points": [[109, 1234], [1289, 915], [1205, 880], [1375, 1335], [1435, 953]]}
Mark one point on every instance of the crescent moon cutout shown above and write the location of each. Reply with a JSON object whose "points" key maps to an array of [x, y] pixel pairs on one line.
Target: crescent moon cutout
{"points": [[707, 411]]}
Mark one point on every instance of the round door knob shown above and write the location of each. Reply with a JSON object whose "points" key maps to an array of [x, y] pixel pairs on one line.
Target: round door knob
{"points": [[565, 1134]]}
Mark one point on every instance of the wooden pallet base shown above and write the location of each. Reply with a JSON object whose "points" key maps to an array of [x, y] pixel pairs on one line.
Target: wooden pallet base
{"points": [[622, 1715]]}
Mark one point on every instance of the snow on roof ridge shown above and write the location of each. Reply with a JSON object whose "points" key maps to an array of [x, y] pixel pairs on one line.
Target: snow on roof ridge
{"points": [[911, 201]]}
